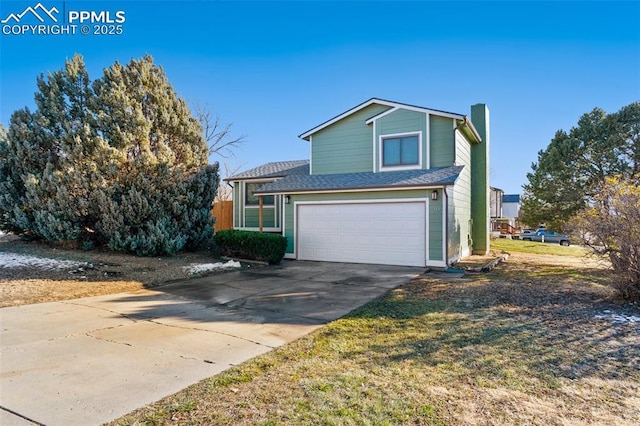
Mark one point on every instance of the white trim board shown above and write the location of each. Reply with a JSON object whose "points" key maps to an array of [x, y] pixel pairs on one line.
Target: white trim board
{"points": [[372, 101], [264, 229], [383, 168], [372, 189], [330, 249]]}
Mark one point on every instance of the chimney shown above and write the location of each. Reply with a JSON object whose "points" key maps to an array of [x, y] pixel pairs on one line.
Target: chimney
{"points": [[480, 181]]}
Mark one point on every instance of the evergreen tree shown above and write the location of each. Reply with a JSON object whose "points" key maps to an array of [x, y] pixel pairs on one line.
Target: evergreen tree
{"points": [[575, 165], [120, 161]]}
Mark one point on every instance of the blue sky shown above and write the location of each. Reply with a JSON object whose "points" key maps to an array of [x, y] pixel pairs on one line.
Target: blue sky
{"points": [[277, 69]]}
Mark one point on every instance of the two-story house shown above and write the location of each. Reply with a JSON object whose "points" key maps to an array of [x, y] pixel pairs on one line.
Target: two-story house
{"points": [[387, 183]]}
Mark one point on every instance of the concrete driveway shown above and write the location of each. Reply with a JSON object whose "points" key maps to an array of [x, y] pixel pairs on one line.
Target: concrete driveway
{"points": [[89, 361]]}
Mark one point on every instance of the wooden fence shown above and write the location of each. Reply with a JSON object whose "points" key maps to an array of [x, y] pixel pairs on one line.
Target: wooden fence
{"points": [[223, 212]]}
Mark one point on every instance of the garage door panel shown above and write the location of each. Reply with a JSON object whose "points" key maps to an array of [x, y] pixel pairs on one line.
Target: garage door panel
{"points": [[385, 233]]}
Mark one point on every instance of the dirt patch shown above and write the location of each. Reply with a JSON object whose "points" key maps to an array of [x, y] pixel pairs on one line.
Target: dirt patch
{"points": [[477, 261], [95, 273]]}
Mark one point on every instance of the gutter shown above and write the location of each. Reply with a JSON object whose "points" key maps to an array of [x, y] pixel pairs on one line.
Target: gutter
{"points": [[435, 185], [469, 125], [254, 177], [445, 207]]}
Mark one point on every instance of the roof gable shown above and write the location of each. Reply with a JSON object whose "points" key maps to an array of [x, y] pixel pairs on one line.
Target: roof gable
{"points": [[392, 106]]}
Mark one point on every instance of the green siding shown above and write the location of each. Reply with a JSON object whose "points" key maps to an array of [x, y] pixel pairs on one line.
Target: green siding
{"points": [[459, 204], [480, 180], [402, 121], [346, 146], [248, 217], [442, 141], [253, 220], [435, 228]]}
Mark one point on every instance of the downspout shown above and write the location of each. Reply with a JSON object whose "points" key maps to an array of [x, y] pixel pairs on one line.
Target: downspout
{"points": [[445, 200], [260, 212], [233, 206], [445, 206]]}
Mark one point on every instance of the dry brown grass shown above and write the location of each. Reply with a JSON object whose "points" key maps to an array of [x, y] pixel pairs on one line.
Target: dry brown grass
{"points": [[109, 273], [519, 346], [16, 292]]}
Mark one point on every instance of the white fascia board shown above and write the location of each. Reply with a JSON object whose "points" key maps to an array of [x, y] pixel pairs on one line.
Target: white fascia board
{"points": [[257, 179], [469, 125], [473, 129], [433, 112], [263, 179], [375, 189], [306, 134], [382, 114], [417, 109], [391, 104]]}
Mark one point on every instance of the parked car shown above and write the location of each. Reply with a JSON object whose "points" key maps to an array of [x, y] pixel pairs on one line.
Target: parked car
{"points": [[542, 235]]}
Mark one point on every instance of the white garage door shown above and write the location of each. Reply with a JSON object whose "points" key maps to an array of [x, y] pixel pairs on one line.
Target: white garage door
{"points": [[380, 233]]}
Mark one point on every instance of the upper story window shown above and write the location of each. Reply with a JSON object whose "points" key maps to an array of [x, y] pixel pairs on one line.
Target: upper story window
{"points": [[252, 200], [400, 151]]}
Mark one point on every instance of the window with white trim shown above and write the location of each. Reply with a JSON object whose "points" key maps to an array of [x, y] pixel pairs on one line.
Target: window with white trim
{"points": [[250, 199], [400, 151]]}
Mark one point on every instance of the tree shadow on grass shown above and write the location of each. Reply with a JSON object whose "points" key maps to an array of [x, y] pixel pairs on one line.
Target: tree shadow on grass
{"points": [[541, 326]]}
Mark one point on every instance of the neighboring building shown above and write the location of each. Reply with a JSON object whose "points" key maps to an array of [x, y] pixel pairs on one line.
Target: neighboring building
{"points": [[495, 202], [387, 183], [505, 211], [511, 206]]}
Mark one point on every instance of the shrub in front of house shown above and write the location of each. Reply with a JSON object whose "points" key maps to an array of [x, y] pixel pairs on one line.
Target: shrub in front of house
{"points": [[118, 161], [251, 245]]}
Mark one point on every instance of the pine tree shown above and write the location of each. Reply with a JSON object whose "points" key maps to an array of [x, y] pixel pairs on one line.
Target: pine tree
{"points": [[120, 161], [570, 172]]}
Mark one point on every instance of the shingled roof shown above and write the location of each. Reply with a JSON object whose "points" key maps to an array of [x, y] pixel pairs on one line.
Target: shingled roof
{"points": [[275, 169], [367, 180]]}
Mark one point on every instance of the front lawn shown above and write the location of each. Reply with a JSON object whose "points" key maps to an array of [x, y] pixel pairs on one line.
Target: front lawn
{"points": [[520, 246], [538, 341]]}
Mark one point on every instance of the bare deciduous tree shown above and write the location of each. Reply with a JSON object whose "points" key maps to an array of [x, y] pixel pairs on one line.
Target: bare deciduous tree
{"points": [[225, 192], [216, 135], [611, 227]]}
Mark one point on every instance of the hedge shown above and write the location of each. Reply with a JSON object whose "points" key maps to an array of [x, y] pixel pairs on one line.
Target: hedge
{"points": [[251, 245]]}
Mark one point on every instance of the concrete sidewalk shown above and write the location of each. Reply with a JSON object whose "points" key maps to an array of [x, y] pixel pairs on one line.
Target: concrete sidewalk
{"points": [[88, 361]]}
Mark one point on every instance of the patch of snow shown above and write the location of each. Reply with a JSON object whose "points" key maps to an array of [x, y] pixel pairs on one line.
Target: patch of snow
{"points": [[618, 318], [206, 267], [13, 260]]}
